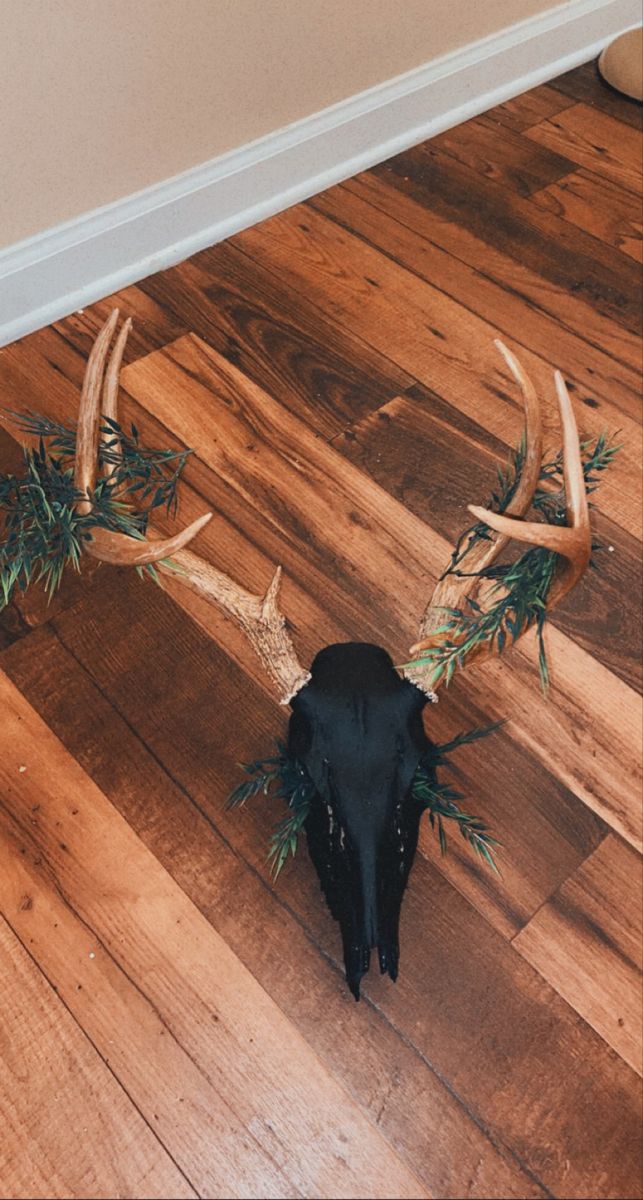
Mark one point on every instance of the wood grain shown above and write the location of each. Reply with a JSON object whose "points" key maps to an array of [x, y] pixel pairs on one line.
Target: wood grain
{"points": [[592, 332], [530, 108], [601, 207], [586, 941], [315, 368], [568, 259], [500, 1022], [333, 369], [204, 851], [384, 217], [489, 149], [436, 338], [68, 1127], [585, 84], [137, 918], [596, 141]]}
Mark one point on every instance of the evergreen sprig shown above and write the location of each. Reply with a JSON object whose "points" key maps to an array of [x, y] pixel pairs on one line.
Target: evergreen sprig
{"points": [[43, 533], [518, 598], [294, 785], [296, 788]]}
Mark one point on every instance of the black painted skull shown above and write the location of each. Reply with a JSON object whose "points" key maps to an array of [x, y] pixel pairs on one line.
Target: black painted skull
{"points": [[357, 728]]}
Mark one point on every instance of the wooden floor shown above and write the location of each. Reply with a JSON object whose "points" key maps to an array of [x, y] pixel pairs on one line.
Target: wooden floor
{"points": [[172, 1024]]}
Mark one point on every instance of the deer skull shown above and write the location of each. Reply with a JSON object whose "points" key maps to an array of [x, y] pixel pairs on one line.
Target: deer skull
{"points": [[356, 723]]}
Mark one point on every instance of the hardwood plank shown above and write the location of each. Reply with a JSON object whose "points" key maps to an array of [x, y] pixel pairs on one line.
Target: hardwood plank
{"points": [[437, 340], [139, 919], [12, 626], [318, 370], [337, 574], [465, 1000], [435, 461], [564, 256], [599, 206], [597, 377], [154, 325], [488, 148], [530, 107], [586, 941], [513, 1065], [382, 1072], [148, 1059], [585, 84], [112, 1152], [597, 334], [596, 141], [555, 831], [257, 449]]}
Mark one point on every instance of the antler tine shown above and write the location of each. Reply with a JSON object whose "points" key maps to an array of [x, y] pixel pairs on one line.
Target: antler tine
{"points": [[258, 616], [574, 540], [110, 389], [89, 415], [453, 588], [105, 544]]}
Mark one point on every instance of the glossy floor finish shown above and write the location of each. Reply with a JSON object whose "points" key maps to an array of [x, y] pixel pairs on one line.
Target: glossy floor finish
{"points": [[172, 1023]]}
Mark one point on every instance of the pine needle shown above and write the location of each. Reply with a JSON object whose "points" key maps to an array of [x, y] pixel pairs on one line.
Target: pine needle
{"points": [[43, 534], [293, 785], [518, 598]]}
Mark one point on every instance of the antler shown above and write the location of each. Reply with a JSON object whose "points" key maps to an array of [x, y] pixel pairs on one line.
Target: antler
{"points": [[258, 616], [572, 542]]}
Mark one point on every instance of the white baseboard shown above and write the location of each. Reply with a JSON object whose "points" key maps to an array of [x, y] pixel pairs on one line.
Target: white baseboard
{"points": [[52, 274]]}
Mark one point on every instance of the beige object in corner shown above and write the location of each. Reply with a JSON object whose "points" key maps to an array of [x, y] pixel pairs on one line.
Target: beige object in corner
{"points": [[621, 64]]}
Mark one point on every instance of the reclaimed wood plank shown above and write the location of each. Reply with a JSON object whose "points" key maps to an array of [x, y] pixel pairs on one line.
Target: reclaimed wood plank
{"points": [[585, 84], [315, 368], [599, 206], [587, 943], [204, 852], [396, 232], [530, 107], [562, 255], [595, 141], [68, 1128], [135, 917], [596, 334], [154, 325], [465, 999], [489, 149], [440, 342]]}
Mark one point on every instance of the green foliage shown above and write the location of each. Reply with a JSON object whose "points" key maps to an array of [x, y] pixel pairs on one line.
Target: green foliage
{"points": [[439, 800], [295, 787], [43, 534], [518, 597]]}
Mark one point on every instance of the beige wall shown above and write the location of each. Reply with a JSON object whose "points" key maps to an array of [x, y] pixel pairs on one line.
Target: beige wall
{"points": [[99, 98]]}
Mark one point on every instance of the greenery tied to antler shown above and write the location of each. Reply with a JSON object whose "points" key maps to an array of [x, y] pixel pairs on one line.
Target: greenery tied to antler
{"points": [[518, 597], [43, 533], [294, 786]]}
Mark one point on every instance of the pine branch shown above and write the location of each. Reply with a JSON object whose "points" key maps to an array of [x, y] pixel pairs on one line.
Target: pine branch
{"points": [[292, 784], [518, 598], [43, 534], [439, 800]]}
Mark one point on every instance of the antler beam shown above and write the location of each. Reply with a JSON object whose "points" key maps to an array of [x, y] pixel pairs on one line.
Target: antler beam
{"points": [[258, 616]]}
